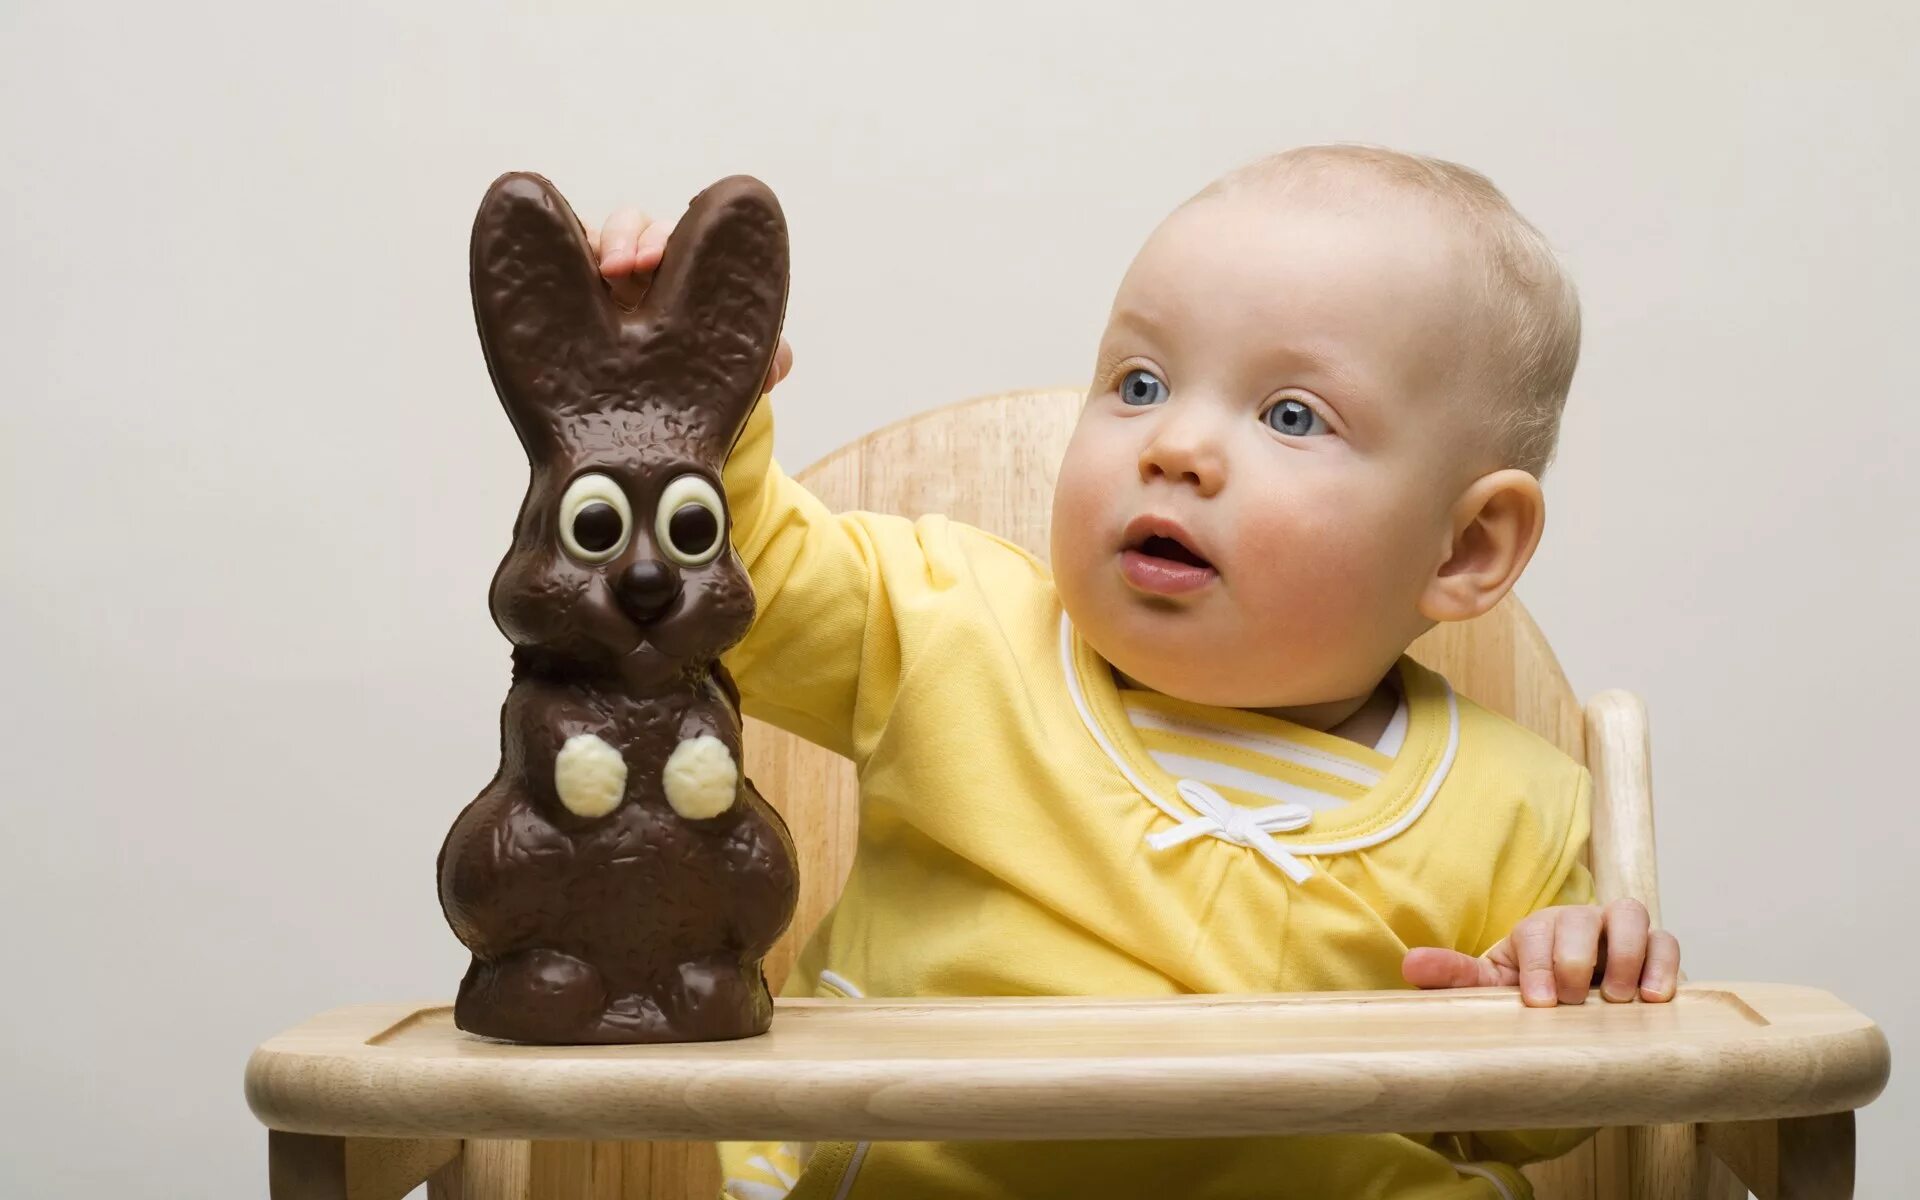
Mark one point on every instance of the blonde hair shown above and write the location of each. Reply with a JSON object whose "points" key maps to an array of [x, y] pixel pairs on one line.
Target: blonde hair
{"points": [[1533, 329]]}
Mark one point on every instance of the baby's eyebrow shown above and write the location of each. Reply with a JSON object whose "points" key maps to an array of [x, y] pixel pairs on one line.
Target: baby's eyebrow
{"points": [[1313, 360], [1302, 360], [1138, 320]]}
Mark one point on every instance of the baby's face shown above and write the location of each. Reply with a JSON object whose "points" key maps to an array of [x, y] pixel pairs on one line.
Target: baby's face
{"points": [[1262, 481]]}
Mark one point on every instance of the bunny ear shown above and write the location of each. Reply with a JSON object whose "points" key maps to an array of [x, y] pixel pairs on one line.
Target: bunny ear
{"points": [[717, 302], [538, 299]]}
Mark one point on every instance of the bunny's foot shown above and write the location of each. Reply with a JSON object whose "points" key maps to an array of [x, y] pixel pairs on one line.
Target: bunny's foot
{"points": [[700, 1002], [715, 1001], [540, 996]]}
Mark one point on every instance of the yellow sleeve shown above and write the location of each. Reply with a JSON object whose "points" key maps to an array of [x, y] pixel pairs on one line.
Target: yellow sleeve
{"points": [[1547, 865], [823, 657], [1565, 880]]}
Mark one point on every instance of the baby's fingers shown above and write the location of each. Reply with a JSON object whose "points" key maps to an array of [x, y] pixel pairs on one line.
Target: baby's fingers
{"points": [[617, 239], [1627, 928], [1576, 947], [629, 247], [1437, 967], [651, 244], [1532, 941], [781, 364], [1662, 974]]}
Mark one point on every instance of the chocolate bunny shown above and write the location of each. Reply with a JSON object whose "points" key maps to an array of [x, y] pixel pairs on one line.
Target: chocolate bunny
{"points": [[620, 880]]}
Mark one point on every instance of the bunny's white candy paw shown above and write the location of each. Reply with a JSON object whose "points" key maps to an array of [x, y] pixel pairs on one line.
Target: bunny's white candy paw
{"points": [[589, 775], [701, 778]]}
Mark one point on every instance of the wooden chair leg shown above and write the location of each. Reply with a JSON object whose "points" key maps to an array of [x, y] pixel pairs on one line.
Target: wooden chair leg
{"points": [[1611, 1165], [507, 1170], [449, 1182], [670, 1170], [1806, 1158], [1662, 1163], [305, 1166], [1569, 1177], [570, 1170], [1713, 1179], [496, 1169]]}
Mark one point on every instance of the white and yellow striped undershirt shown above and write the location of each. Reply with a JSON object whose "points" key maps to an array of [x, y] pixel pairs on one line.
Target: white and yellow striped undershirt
{"points": [[1256, 760]]}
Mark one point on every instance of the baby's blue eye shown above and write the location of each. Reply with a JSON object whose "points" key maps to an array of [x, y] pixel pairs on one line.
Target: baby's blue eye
{"points": [[1142, 387], [1295, 419]]}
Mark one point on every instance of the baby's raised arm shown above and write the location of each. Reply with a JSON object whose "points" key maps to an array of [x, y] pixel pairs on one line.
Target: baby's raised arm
{"points": [[828, 586], [629, 246]]}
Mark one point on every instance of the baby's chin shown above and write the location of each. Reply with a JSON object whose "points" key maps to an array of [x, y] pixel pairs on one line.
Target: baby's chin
{"points": [[1176, 655]]}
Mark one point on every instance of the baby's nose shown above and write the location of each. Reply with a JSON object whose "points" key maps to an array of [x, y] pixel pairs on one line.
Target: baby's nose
{"points": [[646, 588], [1184, 457]]}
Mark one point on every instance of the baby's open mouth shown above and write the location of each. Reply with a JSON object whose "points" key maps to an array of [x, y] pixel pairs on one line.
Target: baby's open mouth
{"points": [[1172, 550], [1163, 565]]}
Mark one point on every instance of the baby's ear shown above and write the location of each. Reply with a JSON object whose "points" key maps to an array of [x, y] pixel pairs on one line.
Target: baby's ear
{"points": [[1495, 527], [718, 300], [537, 295]]}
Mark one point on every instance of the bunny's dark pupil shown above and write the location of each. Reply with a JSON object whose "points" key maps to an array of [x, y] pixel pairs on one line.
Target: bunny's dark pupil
{"points": [[597, 526], [693, 529]]}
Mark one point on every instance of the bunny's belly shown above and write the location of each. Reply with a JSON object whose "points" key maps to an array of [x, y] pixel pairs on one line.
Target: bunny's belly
{"points": [[636, 892]]}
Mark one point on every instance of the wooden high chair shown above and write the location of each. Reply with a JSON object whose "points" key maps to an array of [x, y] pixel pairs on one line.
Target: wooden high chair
{"points": [[1750, 1080]]}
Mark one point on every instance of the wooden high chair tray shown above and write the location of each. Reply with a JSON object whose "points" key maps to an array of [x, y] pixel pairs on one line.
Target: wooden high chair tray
{"points": [[1093, 1068]]}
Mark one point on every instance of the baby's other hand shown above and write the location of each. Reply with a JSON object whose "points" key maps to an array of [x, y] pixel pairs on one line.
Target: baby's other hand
{"points": [[1555, 957], [629, 246]]}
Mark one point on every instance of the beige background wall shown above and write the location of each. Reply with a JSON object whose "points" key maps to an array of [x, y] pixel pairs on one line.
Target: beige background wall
{"points": [[254, 481]]}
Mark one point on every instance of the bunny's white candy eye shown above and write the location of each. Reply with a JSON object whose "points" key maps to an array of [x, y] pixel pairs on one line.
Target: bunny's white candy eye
{"points": [[595, 519], [691, 524]]}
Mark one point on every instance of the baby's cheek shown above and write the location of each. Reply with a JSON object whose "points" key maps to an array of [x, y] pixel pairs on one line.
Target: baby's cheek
{"points": [[1078, 502], [1307, 551], [1332, 581], [1083, 485]]}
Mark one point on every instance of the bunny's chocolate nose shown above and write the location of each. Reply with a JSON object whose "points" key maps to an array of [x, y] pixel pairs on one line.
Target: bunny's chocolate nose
{"points": [[646, 589]]}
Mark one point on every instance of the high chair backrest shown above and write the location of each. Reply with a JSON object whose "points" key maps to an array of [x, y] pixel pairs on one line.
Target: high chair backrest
{"points": [[991, 463]]}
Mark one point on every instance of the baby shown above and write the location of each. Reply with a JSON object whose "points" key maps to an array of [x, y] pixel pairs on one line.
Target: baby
{"points": [[1191, 754]]}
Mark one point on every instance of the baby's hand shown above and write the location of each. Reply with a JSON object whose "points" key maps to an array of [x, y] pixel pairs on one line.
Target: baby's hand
{"points": [[629, 247], [1555, 957]]}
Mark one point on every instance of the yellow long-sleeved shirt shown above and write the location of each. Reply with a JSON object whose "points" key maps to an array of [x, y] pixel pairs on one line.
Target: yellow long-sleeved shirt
{"points": [[1007, 804]]}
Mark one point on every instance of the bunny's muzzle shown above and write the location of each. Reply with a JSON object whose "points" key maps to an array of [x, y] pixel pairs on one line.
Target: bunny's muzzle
{"points": [[646, 589]]}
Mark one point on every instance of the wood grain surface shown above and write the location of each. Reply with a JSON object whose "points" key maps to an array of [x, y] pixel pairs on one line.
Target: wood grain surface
{"points": [[1093, 1068]]}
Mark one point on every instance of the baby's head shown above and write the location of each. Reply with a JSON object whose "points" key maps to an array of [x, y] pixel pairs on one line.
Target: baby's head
{"points": [[1325, 395]]}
